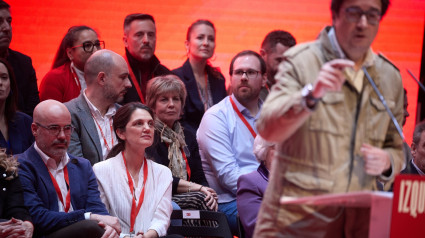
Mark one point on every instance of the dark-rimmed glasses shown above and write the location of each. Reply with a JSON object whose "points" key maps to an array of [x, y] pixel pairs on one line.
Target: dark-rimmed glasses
{"points": [[54, 130], [88, 46], [353, 14], [250, 73]]}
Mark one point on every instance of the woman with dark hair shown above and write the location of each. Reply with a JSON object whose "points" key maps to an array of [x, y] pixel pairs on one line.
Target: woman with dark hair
{"points": [[177, 148], [15, 221], [133, 188], [66, 79], [205, 84], [15, 127]]}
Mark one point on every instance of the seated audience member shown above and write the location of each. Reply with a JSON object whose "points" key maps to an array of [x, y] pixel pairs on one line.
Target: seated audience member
{"points": [[92, 112], [60, 190], [227, 132], [140, 41], [251, 187], [26, 79], [417, 164], [274, 45], [15, 221], [66, 79], [133, 188], [15, 127], [205, 84], [177, 148]]}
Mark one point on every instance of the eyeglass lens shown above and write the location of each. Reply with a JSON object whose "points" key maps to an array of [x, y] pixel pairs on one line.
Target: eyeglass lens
{"points": [[88, 45], [355, 13], [249, 73]]}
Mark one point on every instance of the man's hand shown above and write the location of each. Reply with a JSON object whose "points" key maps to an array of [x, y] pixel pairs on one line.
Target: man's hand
{"points": [[108, 220], [109, 231], [331, 77], [376, 159]]}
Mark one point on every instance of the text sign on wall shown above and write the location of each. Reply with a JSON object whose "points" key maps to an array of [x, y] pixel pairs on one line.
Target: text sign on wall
{"points": [[408, 215]]}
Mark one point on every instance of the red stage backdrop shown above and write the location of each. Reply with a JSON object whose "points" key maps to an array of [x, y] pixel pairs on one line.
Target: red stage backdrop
{"points": [[38, 27]]}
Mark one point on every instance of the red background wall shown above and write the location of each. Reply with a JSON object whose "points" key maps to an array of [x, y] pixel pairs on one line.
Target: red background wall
{"points": [[38, 27]]}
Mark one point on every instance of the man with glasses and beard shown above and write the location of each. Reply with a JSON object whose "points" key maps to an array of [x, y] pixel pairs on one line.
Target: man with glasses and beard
{"points": [[227, 132], [334, 133], [60, 190], [106, 75]]}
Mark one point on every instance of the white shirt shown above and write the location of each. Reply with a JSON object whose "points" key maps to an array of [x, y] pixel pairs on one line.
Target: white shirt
{"points": [[115, 193], [105, 124], [57, 173], [80, 75]]}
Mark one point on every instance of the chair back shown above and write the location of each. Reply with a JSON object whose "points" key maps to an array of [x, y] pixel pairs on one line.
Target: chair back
{"points": [[219, 229]]}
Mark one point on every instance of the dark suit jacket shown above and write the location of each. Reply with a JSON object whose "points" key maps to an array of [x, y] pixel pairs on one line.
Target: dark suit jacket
{"points": [[42, 201], [11, 198], [251, 189], [26, 81], [158, 152], [150, 69], [410, 169], [20, 135], [194, 108], [85, 141]]}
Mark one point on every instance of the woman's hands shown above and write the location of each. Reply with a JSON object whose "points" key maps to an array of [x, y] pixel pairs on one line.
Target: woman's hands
{"points": [[211, 198]]}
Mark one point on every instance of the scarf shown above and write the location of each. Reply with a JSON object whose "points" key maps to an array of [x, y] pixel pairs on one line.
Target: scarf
{"points": [[174, 138]]}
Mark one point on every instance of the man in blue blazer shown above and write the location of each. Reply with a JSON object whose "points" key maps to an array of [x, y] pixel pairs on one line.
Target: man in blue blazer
{"points": [[60, 190], [106, 75]]}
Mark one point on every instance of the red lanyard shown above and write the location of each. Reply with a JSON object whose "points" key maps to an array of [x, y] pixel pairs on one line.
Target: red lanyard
{"points": [[186, 161], [242, 118], [67, 205], [267, 87], [134, 80], [77, 81], [103, 135], [135, 210], [187, 164]]}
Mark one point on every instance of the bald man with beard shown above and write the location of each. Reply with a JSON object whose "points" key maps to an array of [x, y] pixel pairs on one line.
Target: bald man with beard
{"points": [[106, 74], [60, 190]]}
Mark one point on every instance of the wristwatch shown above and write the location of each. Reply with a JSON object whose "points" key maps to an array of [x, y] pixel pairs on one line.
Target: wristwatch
{"points": [[308, 99]]}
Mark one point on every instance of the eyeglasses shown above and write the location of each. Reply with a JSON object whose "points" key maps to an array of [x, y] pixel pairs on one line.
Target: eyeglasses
{"points": [[88, 46], [54, 130], [353, 14], [250, 73]]}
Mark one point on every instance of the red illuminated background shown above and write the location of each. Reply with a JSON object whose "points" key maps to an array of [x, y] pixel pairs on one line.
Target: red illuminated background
{"points": [[38, 27]]}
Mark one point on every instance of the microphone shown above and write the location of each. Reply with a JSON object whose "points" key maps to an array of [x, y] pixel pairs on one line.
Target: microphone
{"points": [[417, 81], [381, 98]]}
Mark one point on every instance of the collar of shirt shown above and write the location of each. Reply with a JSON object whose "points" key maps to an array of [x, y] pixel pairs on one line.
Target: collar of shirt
{"points": [[417, 169], [244, 110], [110, 113], [80, 75], [50, 162]]}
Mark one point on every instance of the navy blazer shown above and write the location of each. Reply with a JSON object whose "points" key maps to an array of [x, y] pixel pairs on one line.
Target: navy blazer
{"points": [[194, 108], [20, 134], [42, 201]]}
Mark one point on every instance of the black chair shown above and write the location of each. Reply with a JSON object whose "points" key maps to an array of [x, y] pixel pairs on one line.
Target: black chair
{"points": [[240, 227], [221, 230]]}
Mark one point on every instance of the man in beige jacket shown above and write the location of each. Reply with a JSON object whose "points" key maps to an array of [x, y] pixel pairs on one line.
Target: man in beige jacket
{"points": [[334, 133]]}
